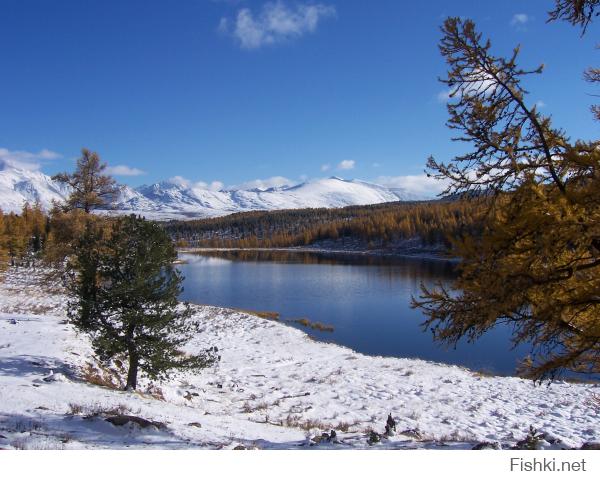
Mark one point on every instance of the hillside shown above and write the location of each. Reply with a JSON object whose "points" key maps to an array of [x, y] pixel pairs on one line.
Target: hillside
{"points": [[392, 227]]}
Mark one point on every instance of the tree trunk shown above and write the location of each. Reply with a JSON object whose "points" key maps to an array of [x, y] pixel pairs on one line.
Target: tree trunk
{"points": [[132, 372]]}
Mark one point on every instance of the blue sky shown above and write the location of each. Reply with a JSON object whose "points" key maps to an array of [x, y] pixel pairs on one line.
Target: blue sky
{"points": [[233, 91]]}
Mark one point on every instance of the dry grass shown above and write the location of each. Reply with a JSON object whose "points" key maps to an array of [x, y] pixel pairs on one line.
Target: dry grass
{"points": [[455, 436], [295, 421], [593, 401], [75, 409], [344, 426], [23, 426], [262, 314], [156, 392], [305, 322], [97, 375], [39, 309], [248, 408], [53, 282], [98, 410]]}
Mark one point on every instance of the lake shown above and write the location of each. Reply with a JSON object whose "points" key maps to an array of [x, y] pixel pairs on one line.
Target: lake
{"points": [[366, 299]]}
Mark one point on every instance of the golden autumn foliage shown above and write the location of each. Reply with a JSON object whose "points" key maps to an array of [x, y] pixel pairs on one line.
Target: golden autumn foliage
{"points": [[90, 187], [33, 235], [433, 223], [22, 235], [536, 264]]}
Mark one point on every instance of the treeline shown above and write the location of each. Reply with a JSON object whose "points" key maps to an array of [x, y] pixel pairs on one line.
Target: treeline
{"points": [[432, 223], [33, 235], [22, 235]]}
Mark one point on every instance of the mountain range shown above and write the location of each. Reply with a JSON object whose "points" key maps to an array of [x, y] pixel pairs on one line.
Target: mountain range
{"points": [[171, 200]]}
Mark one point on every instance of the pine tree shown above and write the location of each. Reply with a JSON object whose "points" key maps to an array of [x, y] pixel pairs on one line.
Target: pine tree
{"points": [[84, 266], [3, 249], [126, 297]]}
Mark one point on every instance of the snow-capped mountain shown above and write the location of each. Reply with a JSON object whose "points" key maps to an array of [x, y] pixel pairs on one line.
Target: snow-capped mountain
{"points": [[19, 185], [168, 200]]}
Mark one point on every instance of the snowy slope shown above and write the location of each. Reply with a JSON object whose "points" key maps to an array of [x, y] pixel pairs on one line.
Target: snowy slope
{"points": [[18, 185], [166, 200], [274, 388], [172, 200]]}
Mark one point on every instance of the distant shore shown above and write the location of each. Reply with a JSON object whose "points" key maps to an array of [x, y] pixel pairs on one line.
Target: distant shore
{"points": [[422, 254]]}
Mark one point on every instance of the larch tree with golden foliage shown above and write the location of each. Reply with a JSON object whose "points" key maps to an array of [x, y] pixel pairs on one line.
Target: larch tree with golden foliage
{"points": [[91, 188], [536, 265]]}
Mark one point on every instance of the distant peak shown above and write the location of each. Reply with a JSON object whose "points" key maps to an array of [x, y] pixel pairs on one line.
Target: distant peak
{"points": [[9, 165], [334, 177]]}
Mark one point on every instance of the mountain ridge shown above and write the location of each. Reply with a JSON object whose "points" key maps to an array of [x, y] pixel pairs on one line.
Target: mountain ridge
{"points": [[168, 200]]}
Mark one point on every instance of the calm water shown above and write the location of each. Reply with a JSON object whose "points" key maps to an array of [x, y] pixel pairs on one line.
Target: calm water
{"points": [[365, 299]]}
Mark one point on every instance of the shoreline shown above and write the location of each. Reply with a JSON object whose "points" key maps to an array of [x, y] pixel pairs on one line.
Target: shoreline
{"points": [[274, 388], [425, 255]]}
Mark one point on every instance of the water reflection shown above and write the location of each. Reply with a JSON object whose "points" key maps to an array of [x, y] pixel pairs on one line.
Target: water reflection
{"points": [[425, 268]]}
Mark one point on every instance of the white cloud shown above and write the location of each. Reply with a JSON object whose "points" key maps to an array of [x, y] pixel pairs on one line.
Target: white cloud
{"points": [[179, 180], [213, 186], [346, 165], [376, 164], [325, 167], [263, 184], [477, 82], [223, 25], [124, 171], [216, 185], [413, 186], [444, 96], [539, 104], [275, 23], [26, 160], [519, 19]]}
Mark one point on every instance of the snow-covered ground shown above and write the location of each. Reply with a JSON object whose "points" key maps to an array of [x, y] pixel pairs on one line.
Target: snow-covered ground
{"points": [[274, 388]]}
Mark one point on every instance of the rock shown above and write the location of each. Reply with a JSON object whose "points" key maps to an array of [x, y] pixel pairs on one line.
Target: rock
{"points": [[413, 433], [325, 438], [121, 420], [195, 424], [590, 446], [239, 447], [486, 446], [189, 395], [374, 438], [55, 377]]}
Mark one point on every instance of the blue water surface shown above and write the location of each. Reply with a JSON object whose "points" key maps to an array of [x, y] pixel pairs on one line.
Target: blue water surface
{"points": [[365, 299]]}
